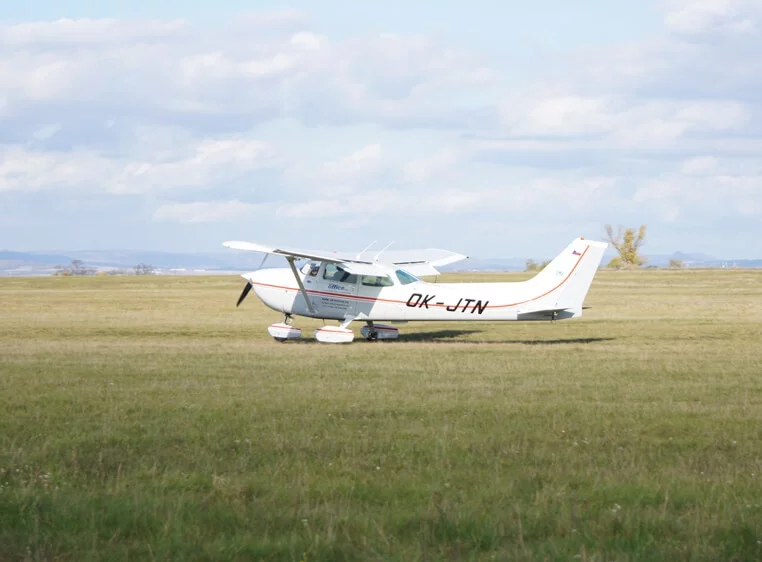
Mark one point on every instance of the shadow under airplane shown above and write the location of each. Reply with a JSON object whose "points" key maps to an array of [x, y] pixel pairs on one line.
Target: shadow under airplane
{"points": [[450, 335]]}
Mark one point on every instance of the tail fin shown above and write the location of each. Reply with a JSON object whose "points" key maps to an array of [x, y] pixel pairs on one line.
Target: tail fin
{"points": [[563, 284]]}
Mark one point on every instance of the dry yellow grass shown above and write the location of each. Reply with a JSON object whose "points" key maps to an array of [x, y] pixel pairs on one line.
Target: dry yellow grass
{"points": [[148, 418]]}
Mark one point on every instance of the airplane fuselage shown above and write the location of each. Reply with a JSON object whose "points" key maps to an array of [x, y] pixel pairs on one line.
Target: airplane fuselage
{"points": [[402, 298]]}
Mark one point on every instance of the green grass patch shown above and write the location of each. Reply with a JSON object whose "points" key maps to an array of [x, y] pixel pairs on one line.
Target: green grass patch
{"points": [[148, 418]]}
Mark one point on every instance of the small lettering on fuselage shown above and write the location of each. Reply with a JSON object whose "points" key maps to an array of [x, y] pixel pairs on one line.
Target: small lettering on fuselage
{"points": [[417, 300]]}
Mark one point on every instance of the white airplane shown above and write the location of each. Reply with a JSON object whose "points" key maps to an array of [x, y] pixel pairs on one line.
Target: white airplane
{"points": [[386, 288]]}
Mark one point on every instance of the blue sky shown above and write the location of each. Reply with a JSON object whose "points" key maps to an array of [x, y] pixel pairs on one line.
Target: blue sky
{"points": [[492, 128]]}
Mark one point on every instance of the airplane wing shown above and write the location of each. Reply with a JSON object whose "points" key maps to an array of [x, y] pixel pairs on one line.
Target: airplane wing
{"points": [[332, 257], [360, 268], [421, 262], [431, 256], [417, 262]]}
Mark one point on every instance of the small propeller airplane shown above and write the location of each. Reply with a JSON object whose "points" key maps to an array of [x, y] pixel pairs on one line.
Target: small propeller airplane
{"points": [[386, 287]]}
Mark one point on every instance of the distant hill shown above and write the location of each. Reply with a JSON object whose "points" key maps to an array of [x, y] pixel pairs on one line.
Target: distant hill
{"points": [[660, 260], [44, 263], [30, 257], [701, 260], [34, 263], [477, 264], [174, 260], [28, 263]]}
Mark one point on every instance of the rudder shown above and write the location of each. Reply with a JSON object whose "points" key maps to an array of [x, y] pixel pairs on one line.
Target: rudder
{"points": [[564, 283]]}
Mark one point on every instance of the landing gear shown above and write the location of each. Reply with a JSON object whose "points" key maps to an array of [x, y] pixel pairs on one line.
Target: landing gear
{"points": [[336, 334], [371, 333], [283, 331], [375, 332]]}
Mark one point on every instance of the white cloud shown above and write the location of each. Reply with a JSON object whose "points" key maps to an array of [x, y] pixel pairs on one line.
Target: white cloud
{"points": [[699, 165], [712, 195], [47, 132], [27, 170], [427, 169], [348, 171], [382, 128], [525, 197], [207, 211], [212, 161], [558, 115], [307, 40], [693, 17], [379, 202], [244, 74], [203, 164], [617, 121], [85, 32], [273, 21]]}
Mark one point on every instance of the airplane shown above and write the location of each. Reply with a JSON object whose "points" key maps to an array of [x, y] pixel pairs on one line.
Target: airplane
{"points": [[386, 287]]}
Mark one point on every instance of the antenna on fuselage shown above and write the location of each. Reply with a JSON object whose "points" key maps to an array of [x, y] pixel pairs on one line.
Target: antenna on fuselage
{"points": [[375, 258], [365, 250], [262, 263]]}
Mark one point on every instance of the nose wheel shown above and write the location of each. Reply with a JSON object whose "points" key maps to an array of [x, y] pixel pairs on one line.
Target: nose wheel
{"points": [[284, 331]]}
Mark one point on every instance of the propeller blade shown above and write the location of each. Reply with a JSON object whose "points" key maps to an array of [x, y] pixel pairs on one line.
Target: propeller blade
{"points": [[245, 292]]}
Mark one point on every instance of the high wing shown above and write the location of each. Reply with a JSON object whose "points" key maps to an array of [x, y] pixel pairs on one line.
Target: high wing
{"points": [[317, 255], [421, 262], [417, 262]]}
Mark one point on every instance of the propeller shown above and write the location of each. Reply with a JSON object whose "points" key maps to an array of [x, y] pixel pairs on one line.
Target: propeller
{"points": [[248, 286], [245, 292]]}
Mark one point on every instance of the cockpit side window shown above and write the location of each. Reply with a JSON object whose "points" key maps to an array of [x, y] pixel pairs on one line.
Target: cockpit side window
{"points": [[333, 273], [405, 278]]}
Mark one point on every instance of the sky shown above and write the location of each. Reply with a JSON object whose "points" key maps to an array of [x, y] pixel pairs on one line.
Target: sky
{"points": [[492, 128]]}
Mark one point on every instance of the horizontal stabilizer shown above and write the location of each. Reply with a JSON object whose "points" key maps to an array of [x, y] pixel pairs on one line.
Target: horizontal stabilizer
{"points": [[555, 314]]}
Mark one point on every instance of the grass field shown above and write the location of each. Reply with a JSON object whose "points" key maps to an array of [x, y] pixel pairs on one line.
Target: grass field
{"points": [[148, 419]]}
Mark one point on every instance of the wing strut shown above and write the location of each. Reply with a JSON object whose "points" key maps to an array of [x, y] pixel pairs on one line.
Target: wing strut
{"points": [[290, 260]]}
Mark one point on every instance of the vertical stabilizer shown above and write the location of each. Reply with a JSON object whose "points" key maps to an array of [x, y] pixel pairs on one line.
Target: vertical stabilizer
{"points": [[565, 281]]}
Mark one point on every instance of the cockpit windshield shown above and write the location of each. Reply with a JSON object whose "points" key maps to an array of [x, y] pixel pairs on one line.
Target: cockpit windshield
{"points": [[406, 278]]}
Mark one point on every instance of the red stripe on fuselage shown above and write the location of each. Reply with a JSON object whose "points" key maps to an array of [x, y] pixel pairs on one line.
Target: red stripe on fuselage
{"points": [[548, 292]]}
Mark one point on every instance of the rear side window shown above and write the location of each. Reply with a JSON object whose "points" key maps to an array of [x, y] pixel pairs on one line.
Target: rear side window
{"points": [[376, 281]]}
